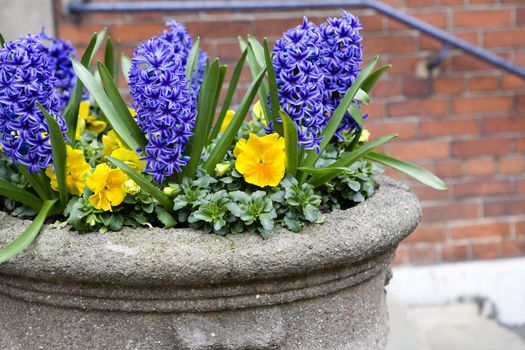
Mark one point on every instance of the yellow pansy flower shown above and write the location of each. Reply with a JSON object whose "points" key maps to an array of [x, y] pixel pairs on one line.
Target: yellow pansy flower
{"points": [[76, 170], [129, 157], [365, 136], [111, 142], [133, 112], [85, 119], [258, 114], [261, 160], [131, 187], [227, 119], [106, 184]]}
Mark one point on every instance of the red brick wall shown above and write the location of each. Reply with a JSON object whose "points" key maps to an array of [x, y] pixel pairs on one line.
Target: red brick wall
{"points": [[467, 124]]}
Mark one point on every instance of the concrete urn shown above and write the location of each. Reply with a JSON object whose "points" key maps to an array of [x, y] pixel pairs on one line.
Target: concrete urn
{"points": [[160, 289]]}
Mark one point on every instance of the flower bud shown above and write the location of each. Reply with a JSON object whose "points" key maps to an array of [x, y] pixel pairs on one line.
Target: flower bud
{"points": [[131, 187], [222, 168], [365, 136]]}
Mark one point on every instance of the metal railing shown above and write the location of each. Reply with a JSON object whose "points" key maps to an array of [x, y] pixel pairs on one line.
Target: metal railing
{"points": [[448, 40]]}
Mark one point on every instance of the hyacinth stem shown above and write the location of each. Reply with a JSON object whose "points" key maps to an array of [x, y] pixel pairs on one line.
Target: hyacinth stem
{"points": [[355, 139]]}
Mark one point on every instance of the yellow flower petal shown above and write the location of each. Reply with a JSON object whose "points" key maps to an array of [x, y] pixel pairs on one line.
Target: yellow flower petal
{"points": [[227, 119], [83, 110], [106, 184], [97, 126], [129, 157], [111, 142]]}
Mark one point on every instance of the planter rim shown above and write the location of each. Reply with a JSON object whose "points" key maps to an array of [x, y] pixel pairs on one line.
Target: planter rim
{"points": [[186, 257]]}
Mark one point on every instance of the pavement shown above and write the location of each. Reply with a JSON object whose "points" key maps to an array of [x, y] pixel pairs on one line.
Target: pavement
{"points": [[454, 326]]}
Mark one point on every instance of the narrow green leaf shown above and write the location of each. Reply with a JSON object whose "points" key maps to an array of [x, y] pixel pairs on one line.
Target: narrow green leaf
{"points": [[418, 173], [125, 65], [35, 181], [291, 143], [355, 112], [229, 95], [258, 50], [321, 171], [272, 81], [220, 82], [372, 79], [362, 97], [224, 143], [71, 111], [59, 153], [122, 121], [337, 116], [18, 194], [144, 183], [347, 160], [109, 58], [193, 60], [2, 41], [29, 235], [204, 116]]}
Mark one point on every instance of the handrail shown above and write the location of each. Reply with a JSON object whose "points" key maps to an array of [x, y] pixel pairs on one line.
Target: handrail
{"points": [[82, 6]]}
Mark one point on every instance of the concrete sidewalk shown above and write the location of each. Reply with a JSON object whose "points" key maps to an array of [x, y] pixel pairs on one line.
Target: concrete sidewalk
{"points": [[458, 326]]}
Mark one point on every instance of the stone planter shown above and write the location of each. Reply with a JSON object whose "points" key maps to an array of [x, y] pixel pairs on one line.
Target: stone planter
{"points": [[181, 289]]}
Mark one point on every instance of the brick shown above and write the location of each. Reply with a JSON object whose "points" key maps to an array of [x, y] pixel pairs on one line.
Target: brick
{"points": [[454, 252], [511, 82], [481, 147], [220, 29], [414, 150], [417, 87], [504, 207], [450, 211], [374, 110], [372, 23], [426, 193], [520, 102], [406, 130], [519, 228], [448, 127], [483, 84], [482, 18], [391, 44], [424, 108], [482, 188], [480, 167], [448, 85], [480, 230], [437, 19], [420, 3], [426, 233], [451, 2], [386, 88], [401, 256], [463, 62], [520, 15], [78, 34], [512, 165], [448, 168], [133, 32], [513, 248], [520, 145], [422, 254], [512, 124], [521, 186], [505, 38], [404, 66], [482, 104], [486, 250]]}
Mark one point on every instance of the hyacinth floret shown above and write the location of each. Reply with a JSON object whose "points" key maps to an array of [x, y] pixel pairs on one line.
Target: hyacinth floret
{"points": [[341, 54], [25, 79], [181, 41], [59, 58], [165, 111], [300, 81]]}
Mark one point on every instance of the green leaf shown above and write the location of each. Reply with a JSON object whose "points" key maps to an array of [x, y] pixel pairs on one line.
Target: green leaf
{"points": [[258, 50], [71, 111], [291, 143], [355, 112], [272, 81], [165, 217], [35, 181], [203, 120], [362, 97], [29, 235], [193, 60], [222, 75], [229, 95], [144, 183], [125, 65], [2, 41], [418, 173], [18, 194], [59, 153], [122, 121], [372, 79], [337, 116], [322, 171], [224, 143], [334, 169], [109, 58]]}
